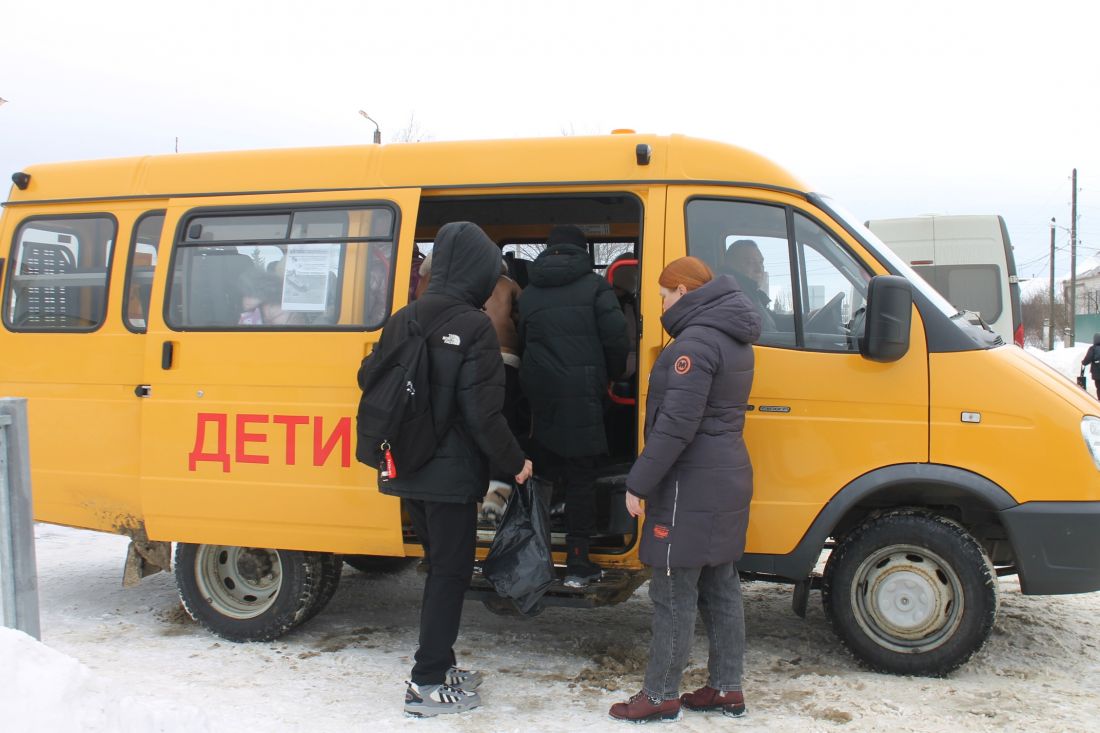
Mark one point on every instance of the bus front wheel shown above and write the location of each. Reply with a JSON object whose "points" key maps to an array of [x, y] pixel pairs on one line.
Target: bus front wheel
{"points": [[910, 592], [247, 593]]}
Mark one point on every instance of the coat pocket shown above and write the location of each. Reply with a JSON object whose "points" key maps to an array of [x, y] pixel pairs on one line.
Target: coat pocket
{"points": [[727, 533]]}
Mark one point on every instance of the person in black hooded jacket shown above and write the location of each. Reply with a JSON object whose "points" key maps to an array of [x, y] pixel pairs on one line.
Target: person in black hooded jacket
{"points": [[467, 395], [1092, 361], [695, 477], [574, 341]]}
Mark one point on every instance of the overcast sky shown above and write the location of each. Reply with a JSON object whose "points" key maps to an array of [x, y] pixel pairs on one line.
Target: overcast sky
{"points": [[893, 108]]}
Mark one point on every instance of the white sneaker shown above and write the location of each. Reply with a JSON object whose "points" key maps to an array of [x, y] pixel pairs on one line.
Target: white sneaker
{"points": [[427, 701], [496, 499], [582, 577]]}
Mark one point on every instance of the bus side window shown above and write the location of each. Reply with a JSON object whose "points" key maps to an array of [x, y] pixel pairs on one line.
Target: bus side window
{"points": [[142, 263], [808, 296], [300, 269], [58, 273], [749, 241]]}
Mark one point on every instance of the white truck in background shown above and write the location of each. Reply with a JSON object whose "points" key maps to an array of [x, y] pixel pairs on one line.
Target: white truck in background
{"points": [[968, 259]]}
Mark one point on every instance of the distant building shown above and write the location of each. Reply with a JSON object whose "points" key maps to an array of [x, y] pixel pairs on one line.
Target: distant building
{"points": [[1088, 292]]}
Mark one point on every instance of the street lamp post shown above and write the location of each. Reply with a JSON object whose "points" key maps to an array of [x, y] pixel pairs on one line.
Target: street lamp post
{"points": [[377, 131]]}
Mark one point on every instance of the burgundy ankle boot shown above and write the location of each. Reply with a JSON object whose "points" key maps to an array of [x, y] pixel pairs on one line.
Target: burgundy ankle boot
{"points": [[707, 698], [642, 709]]}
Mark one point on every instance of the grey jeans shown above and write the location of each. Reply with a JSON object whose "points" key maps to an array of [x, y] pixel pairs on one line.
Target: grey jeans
{"points": [[716, 592]]}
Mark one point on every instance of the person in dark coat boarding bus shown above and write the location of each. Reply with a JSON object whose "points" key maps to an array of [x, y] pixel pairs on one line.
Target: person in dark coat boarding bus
{"points": [[467, 395], [695, 480], [574, 341]]}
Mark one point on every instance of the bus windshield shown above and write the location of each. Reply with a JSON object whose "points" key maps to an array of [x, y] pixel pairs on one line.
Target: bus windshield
{"points": [[879, 248]]}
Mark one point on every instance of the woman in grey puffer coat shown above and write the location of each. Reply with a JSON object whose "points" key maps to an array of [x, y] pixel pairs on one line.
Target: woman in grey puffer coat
{"points": [[695, 478]]}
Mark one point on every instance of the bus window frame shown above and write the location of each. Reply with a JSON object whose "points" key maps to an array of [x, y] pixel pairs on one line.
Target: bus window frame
{"points": [[179, 242], [790, 211], [130, 266], [9, 278]]}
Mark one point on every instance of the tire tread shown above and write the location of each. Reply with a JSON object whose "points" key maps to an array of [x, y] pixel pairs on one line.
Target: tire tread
{"points": [[923, 524]]}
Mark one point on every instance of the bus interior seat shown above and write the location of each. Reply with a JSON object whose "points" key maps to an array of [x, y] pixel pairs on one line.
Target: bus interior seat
{"points": [[624, 279], [517, 268], [43, 305], [622, 407], [86, 303], [214, 288]]}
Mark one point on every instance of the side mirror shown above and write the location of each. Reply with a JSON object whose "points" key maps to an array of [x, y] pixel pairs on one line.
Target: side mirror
{"points": [[889, 316]]}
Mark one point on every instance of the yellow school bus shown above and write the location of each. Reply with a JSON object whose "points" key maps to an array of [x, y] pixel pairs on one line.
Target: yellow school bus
{"points": [[187, 329]]}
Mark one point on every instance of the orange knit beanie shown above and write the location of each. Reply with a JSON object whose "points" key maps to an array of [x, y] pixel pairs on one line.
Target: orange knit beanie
{"points": [[691, 272]]}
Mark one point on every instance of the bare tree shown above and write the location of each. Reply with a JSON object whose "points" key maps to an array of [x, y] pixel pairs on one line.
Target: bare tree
{"points": [[1036, 310], [411, 132], [604, 253]]}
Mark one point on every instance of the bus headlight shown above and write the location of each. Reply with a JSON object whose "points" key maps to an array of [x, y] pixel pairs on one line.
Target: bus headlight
{"points": [[1090, 428]]}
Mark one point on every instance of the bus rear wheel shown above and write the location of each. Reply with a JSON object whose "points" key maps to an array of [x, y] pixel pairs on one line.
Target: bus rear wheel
{"points": [[331, 568], [247, 593], [910, 592]]}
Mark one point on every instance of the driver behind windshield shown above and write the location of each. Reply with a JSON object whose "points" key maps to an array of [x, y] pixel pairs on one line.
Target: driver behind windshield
{"points": [[743, 260]]}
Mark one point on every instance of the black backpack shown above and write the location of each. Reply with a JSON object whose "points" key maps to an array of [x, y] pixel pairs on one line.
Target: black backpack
{"points": [[395, 431]]}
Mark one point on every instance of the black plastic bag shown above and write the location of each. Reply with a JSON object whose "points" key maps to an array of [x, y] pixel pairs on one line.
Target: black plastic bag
{"points": [[519, 564], [1081, 380]]}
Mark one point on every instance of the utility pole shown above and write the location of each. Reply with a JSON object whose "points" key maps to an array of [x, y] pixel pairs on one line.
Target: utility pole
{"points": [[1050, 329], [1073, 263]]}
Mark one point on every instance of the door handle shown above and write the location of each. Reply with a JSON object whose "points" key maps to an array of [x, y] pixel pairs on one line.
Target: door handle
{"points": [[143, 390], [166, 353]]}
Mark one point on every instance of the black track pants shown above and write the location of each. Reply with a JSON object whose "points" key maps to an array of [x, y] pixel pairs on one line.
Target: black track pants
{"points": [[450, 531]]}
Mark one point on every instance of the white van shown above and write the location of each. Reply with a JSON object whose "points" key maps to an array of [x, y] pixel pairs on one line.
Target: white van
{"points": [[968, 259]]}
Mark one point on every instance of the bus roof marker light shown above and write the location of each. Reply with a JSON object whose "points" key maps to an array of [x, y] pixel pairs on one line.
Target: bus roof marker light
{"points": [[21, 180], [644, 153]]}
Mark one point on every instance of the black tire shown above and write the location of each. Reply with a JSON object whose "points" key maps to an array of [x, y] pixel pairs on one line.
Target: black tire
{"points": [[247, 593], [377, 564], [910, 593], [331, 568]]}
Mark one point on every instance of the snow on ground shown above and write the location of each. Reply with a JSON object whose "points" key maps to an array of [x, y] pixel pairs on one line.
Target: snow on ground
{"points": [[1066, 360], [117, 659], [144, 665], [44, 690]]}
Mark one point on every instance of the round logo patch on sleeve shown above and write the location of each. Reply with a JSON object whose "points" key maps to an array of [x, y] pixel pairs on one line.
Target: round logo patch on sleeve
{"points": [[682, 365]]}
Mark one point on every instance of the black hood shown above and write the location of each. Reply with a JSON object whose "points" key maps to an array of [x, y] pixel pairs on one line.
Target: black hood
{"points": [[465, 263], [719, 304], [558, 265]]}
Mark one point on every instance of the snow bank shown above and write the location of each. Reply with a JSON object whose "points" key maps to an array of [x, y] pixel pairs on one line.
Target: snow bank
{"points": [[1067, 361], [43, 690]]}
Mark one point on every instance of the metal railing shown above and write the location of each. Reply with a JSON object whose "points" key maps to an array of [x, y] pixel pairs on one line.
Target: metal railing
{"points": [[18, 573]]}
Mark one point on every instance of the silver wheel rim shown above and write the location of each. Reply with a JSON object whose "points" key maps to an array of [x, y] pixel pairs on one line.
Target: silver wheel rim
{"points": [[239, 582], [907, 599]]}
